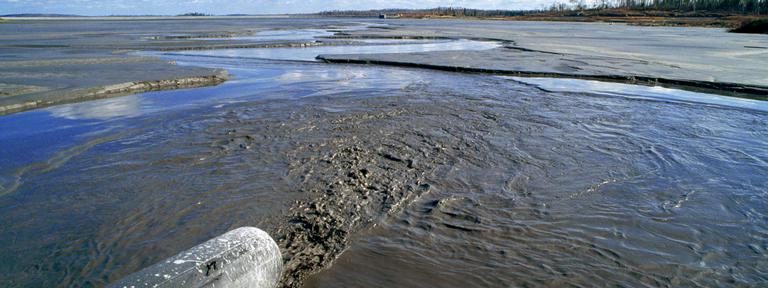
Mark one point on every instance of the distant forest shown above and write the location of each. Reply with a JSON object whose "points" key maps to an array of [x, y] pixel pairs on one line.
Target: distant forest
{"points": [[745, 7], [440, 11], [756, 7]]}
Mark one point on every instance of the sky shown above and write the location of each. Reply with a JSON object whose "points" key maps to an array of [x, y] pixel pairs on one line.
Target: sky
{"points": [[222, 7]]}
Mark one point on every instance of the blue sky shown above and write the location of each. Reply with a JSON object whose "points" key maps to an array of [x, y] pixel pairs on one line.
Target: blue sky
{"points": [[173, 7]]}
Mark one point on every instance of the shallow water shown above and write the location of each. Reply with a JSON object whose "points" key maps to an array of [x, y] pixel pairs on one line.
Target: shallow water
{"points": [[91, 185], [301, 34], [565, 189], [314, 35], [310, 53], [530, 184], [283, 35], [642, 92]]}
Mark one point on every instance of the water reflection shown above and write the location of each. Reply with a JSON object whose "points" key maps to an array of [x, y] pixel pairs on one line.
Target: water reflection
{"points": [[543, 189], [281, 35], [310, 53], [353, 77], [100, 110], [34, 136], [296, 35], [640, 92]]}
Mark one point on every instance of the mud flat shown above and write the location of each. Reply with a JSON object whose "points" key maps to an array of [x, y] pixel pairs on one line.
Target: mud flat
{"points": [[52, 82], [387, 175], [426, 166], [29, 84], [49, 62], [647, 55]]}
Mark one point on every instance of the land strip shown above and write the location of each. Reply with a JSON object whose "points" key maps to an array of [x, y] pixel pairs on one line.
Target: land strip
{"points": [[32, 84], [45, 62], [680, 57]]}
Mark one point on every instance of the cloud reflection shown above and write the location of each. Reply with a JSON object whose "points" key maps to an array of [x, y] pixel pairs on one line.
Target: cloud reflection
{"points": [[640, 92], [309, 53], [105, 109]]}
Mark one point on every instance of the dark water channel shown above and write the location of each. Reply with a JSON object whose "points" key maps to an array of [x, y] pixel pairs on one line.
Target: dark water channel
{"points": [[528, 185]]}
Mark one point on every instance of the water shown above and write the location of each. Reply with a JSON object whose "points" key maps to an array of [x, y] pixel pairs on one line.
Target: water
{"points": [[642, 92], [564, 189], [310, 53], [90, 159], [282, 35], [576, 184], [299, 35]]}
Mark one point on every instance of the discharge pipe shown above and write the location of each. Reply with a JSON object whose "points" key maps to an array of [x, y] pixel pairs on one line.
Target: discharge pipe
{"points": [[244, 257]]}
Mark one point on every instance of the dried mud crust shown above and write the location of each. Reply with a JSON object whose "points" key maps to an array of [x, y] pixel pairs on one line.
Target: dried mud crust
{"points": [[355, 167]]}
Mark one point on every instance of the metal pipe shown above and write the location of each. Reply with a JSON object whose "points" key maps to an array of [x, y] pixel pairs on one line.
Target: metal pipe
{"points": [[244, 257]]}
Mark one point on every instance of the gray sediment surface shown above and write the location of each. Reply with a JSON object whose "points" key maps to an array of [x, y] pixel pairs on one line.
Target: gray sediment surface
{"points": [[676, 57], [44, 65], [352, 168], [47, 62], [413, 61], [67, 76], [19, 104], [258, 45]]}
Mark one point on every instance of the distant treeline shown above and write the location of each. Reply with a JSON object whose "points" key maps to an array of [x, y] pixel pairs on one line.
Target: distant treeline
{"points": [[570, 7], [440, 11], [757, 7]]}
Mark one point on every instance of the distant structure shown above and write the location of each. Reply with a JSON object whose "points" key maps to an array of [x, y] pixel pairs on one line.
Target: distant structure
{"points": [[385, 16], [196, 14]]}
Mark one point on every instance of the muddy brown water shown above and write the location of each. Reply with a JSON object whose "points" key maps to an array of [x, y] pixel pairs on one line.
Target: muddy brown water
{"points": [[413, 178], [562, 189]]}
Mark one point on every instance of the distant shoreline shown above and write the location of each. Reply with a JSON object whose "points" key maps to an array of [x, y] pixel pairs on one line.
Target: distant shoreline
{"points": [[720, 21], [102, 18], [668, 21]]}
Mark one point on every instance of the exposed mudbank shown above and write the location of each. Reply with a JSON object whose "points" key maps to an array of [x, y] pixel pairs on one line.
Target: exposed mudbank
{"points": [[527, 62], [113, 90], [355, 184], [750, 91], [41, 82], [544, 55], [222, 35], [677, 57], [10, 90], [343, 161], [259, 45], [81, 67], [363, 46], [355, 165]]}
